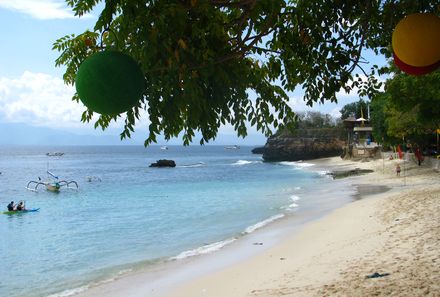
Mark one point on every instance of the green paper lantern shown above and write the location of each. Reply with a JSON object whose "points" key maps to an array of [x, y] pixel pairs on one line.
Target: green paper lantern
{"points": [[109, 82]]}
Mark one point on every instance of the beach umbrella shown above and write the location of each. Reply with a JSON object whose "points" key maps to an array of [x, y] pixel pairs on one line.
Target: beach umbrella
{"points": [[362, 120], [416, 39], [109, 82]]}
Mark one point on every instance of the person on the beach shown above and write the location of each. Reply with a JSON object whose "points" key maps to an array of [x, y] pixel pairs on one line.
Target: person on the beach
{"points": [[21, 206], [11, 206], [398, 170], [419, 156]]}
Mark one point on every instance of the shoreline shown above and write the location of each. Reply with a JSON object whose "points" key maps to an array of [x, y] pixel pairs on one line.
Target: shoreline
{"points": [[391, 237], [205, 275], [158, 279]]}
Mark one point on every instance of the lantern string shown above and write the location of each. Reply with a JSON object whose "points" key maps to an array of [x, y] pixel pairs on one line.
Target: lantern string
{"points": [[108, 29]]}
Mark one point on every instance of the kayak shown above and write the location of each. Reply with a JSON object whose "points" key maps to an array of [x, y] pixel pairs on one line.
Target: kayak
{"points": [[20, 211]]}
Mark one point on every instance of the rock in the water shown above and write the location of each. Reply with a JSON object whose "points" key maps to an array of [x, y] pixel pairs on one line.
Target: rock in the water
{"points": [[350, 172], [258, 150], [163, 163]]}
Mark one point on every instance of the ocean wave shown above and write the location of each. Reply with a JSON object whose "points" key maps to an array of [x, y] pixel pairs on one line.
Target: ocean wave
{"points": [[206, 249], [297, 164], [324, 173], [70, 292], [244, 162], [198, 164], [294, 198], [75, 291], [261, 224], [288, 190], [292, 205]]}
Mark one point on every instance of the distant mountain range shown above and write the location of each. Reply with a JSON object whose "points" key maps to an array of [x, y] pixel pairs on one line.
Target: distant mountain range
{"points": [[23, 134]]}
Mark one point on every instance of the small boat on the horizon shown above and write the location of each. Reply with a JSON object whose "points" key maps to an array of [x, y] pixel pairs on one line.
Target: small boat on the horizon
{"points": [[55, 154], [234, 147], [164, 147]]}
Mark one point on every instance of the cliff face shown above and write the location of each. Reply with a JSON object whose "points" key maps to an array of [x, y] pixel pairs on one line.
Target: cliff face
{"points": [[305, 144]]}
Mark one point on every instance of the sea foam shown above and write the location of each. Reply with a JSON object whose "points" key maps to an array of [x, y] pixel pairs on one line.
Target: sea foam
{"points": [[297, 164], [261, 224], [205, 249], [294, 198], [199, 164], [70, 292], [245, 162], [292, 205]]}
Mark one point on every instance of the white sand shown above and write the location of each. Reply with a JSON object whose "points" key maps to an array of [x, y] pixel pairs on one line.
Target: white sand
{"points": [[397, 232]]}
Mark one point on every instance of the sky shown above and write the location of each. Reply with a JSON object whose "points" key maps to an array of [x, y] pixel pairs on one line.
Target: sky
{"points": [[33, 93]]}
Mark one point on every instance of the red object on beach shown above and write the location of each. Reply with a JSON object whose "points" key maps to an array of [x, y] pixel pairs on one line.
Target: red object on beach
{"points": [[399, 151], [419, 156]]}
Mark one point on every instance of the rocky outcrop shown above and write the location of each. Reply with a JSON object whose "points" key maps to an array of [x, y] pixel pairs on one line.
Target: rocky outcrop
{"points": [[258, 150], [163, 163], [350, 172], [305, 144]]}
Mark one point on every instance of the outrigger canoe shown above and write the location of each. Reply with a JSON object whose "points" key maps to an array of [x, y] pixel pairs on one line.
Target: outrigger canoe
{"points": [[20, 211]]}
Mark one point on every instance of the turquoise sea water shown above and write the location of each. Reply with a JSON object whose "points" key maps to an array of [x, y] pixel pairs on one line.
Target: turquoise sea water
{"points": [[130, 215]]}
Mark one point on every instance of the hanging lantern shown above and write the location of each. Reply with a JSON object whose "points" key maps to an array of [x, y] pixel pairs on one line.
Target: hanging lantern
{"points": [[109, 82], [414, 70], [416, 40]]}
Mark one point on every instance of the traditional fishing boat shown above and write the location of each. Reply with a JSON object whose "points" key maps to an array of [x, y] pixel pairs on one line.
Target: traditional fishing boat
{"points": [[53, 186]]}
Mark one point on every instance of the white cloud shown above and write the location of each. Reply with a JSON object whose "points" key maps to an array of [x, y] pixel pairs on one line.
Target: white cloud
{"points": [[43, 100], [39, 9], [39, 99]]}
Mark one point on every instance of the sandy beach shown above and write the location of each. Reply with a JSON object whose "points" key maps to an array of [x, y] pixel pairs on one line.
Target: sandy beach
{"points": [[394, 236], [385, 244]]}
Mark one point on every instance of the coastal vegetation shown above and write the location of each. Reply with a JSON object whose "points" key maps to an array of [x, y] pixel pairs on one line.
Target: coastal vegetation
{"points": [[210, 63], [408, 109], [310, 120]]}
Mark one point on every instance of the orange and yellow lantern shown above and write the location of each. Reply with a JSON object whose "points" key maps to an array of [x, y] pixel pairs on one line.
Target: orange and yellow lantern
{"points": [[416, 43], [415, 70]]}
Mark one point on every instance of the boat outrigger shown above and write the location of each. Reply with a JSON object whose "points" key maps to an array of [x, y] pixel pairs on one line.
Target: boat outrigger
{"points": [[53, 186]]}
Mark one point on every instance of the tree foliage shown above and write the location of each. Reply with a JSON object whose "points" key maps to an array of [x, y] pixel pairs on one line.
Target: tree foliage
{"points": [[356, 109], [202, 58], [313, 124], [315, 119], [379, 118], [419, 95], [409, 109]]}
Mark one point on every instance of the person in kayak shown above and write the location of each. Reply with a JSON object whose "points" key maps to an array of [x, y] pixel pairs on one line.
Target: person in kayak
{"points": [[11, 206], [21, 206]]}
